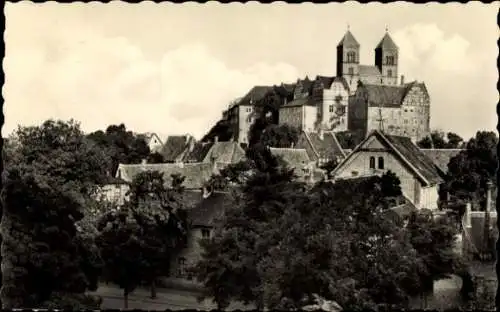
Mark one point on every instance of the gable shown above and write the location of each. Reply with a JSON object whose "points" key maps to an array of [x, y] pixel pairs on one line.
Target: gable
{"points": [[374, 143]]}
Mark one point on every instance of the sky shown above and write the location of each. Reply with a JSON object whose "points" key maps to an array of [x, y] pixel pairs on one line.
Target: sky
{"points": [[172, 68]]}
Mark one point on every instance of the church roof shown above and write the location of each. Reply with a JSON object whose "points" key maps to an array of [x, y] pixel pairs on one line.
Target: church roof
{"points": [[387, 43], [369, 71], [348, 41]]}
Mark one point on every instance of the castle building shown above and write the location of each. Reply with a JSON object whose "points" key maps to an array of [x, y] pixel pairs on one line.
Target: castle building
{"points": [[402, 110], [384, 72]]}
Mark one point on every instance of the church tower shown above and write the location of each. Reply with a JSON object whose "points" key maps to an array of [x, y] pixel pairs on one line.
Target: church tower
{"points": [[348, 59], [386, 59]]}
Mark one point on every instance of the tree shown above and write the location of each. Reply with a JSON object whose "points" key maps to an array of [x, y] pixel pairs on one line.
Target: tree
{"points": [[349, 139], [329, 167], [454, 140], [121, 146], [281, 244], [155, 158], [391, 185], [471, 169], [280, 136], [152, 226], [438, 139], [53, 168]]}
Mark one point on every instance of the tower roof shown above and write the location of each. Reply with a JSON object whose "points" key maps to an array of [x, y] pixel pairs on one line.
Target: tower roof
{"points": [[348, 41], [387, 43]]}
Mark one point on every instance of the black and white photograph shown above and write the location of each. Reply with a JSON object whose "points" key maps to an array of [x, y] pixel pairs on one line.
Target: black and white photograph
{"points": [[250, 156]]}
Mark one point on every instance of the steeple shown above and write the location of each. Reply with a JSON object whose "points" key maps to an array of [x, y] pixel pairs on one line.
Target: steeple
{"points": [[348, 41], [387, 43], [386, 59]]}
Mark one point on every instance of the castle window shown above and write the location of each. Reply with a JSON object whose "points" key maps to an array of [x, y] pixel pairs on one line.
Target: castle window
{"points": [[389, 73], [351, 71], [381, 162], [331, 108], [351, 57], [372, 162], [389, 60]]}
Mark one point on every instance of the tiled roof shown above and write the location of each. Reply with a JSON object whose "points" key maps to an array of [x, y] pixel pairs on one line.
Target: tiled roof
{"points": [[385, 96], [387, 43], [348, 40], [196, 174], [295, 157], [441, 157], [192, 198], [423, 164], [225, 152], [347, 151], [209, 209], [327, 81], [369, 70], [300, 102], [198, 153], [326, 147], [255, 95], [174, 146]]}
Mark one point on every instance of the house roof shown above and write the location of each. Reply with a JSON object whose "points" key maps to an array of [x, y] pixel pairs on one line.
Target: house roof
{"points": [[306, 85], [326, 147], [404, 149], [387, 43], [196, 174], [225, 152], [198, 153], [369, 71], [386, 96], [348, 41], [209, 209], [293, 156], [174, 146], [255, 94], [300, 102], [401, 211], [327, 81], [441, 157]]}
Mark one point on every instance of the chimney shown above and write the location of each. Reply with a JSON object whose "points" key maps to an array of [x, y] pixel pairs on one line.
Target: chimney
{"points": [[216, 139], [402, 79]]}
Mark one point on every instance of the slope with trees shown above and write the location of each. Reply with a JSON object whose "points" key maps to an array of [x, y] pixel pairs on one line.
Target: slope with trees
{"points": [[439, 140]]}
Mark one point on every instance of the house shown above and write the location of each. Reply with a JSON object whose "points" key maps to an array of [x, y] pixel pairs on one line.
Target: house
{"points": [[331, 95], [202, 218], [441, 157], [113, 191], [385, 68], [379, 153], [196, 174], [154, 142], [402, 110], [175, 147], [220, 154], [299, 160], [241, 113], [321, 146]]}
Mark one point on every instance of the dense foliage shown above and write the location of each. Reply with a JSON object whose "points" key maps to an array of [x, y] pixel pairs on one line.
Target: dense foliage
{"points": [[438, 139], [138, 241], [121, 146], [471, 169], [349, 139], [281, 243], [52, 170]]}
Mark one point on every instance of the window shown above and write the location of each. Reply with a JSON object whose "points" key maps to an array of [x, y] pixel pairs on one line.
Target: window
{"points": [[205, 233], [351, 71], [181, 269], [389, 60], [249, 119], [389, 73], [381, 162], [331, 109], [351, 57], [372, 162], [406, 121]]}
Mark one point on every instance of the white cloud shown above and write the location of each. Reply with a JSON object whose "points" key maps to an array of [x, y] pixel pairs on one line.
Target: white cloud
{"points": [[100, 81]]}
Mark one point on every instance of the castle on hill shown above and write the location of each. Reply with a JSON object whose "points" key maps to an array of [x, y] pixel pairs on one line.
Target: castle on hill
{"points": [[359, 98]]}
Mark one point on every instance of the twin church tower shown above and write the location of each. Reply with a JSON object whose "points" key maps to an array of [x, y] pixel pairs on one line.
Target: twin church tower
{"points": [[385, 70]]}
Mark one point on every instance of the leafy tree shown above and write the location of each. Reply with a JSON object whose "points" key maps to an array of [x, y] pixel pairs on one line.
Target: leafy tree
{"points": [[52, 169], [280, 244], [349, 139], [438, 139], [121, 146], [471, 169], [329, 167], [280, 136], [152, 226], [391, 185], [155, 158]]}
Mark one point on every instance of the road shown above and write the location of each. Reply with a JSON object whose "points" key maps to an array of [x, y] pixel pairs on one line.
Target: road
{"points": [[166, 299]]}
